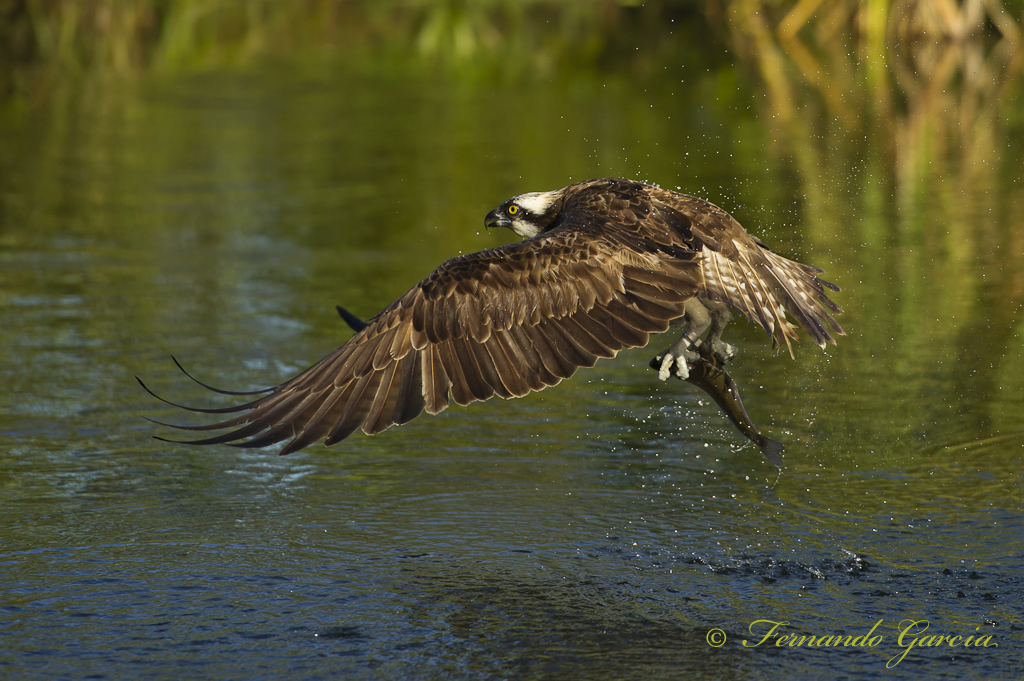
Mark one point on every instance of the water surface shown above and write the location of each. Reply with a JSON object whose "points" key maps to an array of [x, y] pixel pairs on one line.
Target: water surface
{"points": [[599, 529]]}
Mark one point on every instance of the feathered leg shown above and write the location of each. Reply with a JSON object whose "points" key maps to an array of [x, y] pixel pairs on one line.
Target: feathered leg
{"points": [[672, 362], [720, 316]]}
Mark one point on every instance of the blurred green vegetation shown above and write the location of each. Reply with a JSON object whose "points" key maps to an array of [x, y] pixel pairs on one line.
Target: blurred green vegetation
{"points": [[830, 43], [42, 39], [924, 74]]}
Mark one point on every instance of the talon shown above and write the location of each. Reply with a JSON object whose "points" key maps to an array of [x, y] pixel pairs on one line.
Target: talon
{"points": [[682, 370], [665, 369], [668, 365], [723, 351]]}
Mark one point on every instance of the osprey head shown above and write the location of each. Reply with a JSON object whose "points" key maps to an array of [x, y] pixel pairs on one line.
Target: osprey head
{"points": [[527, 214]]}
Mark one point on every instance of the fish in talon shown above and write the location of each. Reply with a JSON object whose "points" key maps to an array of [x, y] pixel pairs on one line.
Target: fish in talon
{"points": [[708, 374]]}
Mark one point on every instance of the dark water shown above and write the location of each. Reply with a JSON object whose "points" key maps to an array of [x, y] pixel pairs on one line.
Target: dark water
{"points": [[600, 529]]}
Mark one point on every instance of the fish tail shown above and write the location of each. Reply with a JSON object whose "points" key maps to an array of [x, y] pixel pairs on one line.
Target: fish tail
{"points": [[772, 450]]}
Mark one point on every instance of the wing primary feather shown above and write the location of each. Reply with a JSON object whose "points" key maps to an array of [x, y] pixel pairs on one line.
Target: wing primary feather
{"points": [[625, 334], [278, 408], [436, 381], [464, 353], [330, 421], [524, 358], [253, 427], [280, 432], [382, 356], [511, 381], [599, 332], [588, 351], [200, 410], [547, 360], [563, 356], [381, 412], [459, 386], [356, 408], [319, 424], [488, 371], [238, 420], [218, 390], [576, 328], [412, 402]]}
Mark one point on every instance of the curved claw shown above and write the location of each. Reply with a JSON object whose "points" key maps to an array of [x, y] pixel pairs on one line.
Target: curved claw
{"points": [[723, 351], [669, 364]]}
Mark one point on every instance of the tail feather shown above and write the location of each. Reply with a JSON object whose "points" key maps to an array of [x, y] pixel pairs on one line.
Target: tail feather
{"points": [[764, 286]]}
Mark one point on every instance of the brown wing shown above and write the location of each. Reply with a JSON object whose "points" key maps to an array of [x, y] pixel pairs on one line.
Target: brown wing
{"points": [[505, 322], [743, 273]]}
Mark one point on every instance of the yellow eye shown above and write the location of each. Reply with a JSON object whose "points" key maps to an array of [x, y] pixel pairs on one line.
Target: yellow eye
{"points": [[513, 209]]}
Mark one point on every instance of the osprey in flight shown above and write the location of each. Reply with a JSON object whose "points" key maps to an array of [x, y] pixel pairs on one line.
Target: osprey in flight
{"points": [[602, 264]]}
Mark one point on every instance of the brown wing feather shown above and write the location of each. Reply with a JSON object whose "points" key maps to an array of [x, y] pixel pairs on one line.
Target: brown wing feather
{"points": [[505, 321]]}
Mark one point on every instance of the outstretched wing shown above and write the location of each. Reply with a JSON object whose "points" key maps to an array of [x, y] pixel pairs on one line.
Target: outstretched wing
{"points": [[505, 321], [743, 273]]}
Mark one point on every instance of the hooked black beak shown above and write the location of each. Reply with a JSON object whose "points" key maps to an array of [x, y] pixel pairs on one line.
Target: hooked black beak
{"points": [[496, 218]]}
